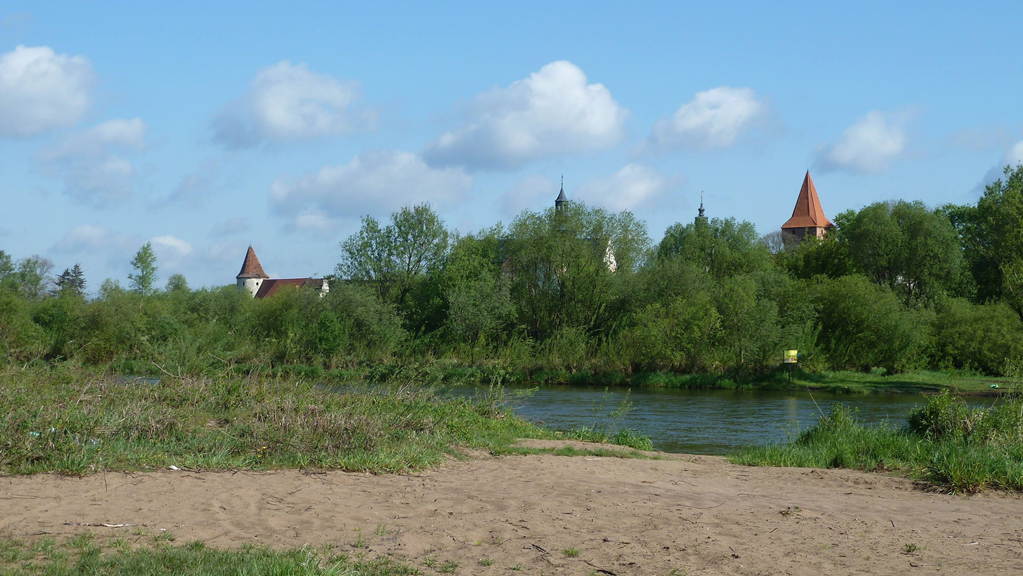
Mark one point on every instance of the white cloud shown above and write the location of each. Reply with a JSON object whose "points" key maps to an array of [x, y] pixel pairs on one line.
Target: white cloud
{"points": [[86, 162], [41, 90], [92, 239], [868, 146], [531, 193], [373, 182], [715, 118], [170, 251], [551, 113], [630, 187], [289, 102], [1013, 157]]}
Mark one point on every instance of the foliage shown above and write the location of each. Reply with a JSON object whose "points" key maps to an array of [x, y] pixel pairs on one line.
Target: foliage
{"points": [[143, 279], [945, 442]]}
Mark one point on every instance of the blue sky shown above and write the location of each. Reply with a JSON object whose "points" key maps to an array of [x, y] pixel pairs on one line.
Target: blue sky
{"points": [[205, 129]]}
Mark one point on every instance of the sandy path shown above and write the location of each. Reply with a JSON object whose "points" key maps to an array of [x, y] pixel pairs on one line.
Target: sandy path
{"points": [[694, 514]]}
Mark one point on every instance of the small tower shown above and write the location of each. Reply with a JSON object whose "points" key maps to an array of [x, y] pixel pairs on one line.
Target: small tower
{"points": [[251, 276], [808, 217], [562, 200], [701, 217]]}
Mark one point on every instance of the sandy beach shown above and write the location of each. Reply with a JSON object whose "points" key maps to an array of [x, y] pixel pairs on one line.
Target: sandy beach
{"points": [[690, 514]]}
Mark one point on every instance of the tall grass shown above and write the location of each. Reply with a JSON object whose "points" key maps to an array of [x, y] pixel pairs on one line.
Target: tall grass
{"points": [[945, 442], [75, 422]]}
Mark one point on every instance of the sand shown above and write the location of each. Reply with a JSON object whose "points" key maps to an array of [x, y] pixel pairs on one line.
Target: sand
{"points": [[692, 514]]}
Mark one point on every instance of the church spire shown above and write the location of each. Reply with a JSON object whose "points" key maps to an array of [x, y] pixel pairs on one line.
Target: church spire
{"points": [[562, 200]]}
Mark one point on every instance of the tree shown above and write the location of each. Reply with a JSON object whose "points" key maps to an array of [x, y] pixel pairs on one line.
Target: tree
{"points": [[721, 247], [570, 267], [71, 281], [907, 247], [32, 277], [143, 281], [394, 258], [177, 284], [995, 234]]}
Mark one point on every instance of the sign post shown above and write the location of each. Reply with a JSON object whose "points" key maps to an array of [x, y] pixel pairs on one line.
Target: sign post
{"points": [[790, 358]]}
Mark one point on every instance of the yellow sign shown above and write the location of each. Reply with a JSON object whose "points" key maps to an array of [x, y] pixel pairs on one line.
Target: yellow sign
{"points": [[791, 357]]}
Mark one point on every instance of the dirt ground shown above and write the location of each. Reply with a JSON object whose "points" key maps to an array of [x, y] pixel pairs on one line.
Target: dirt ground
{"points": [[690, 514]]}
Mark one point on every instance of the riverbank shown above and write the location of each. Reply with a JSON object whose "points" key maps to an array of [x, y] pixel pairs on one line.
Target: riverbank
{"points": [[76, 422], [527, 514]]}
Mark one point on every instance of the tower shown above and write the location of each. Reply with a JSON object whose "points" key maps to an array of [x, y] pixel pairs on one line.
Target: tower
{"points": [[701, 217], [808, 217], [562, 200], [251, 275]]}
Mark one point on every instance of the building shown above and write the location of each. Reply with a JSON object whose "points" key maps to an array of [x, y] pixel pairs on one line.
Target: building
{"points": [[808, 217], [252, 279]]}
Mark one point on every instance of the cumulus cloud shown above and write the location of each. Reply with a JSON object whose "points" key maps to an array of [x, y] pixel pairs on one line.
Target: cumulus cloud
{"points": [[170, 251], [373, 182], [289, 102], [868, 146], [628, 188], [551, 113], [715, 118], [87, 163], [41, 90]]}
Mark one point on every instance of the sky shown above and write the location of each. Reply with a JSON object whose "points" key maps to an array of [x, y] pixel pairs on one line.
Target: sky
{"points": [[206, 127]]}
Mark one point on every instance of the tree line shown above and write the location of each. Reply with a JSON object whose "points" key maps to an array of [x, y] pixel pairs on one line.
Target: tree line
{"points": [[895, 286]]}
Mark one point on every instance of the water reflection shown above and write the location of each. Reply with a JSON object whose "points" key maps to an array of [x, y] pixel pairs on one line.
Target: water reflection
{"points": [[707, 421]]}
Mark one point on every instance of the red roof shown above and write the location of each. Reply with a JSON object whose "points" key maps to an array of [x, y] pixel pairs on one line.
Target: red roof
{"points": [[251, 268], [270, 287], [808, 212]]}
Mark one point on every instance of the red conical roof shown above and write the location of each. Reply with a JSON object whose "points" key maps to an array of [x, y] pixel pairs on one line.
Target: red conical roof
{"points": [[251, 268], [808, 212]]}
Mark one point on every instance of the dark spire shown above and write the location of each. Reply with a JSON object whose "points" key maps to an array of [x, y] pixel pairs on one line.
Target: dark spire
{"points": [[701, 204], [562, 200]]}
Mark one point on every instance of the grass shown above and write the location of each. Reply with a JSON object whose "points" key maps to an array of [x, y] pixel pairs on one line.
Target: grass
{"points": [[76, 422], [77, 556], [945, 442], [570, 552], [842, 382]]}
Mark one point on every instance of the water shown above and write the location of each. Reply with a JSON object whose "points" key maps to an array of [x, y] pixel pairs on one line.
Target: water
{"points": [[707, 421]]}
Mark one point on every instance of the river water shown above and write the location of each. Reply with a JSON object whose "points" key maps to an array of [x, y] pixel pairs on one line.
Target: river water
{"points": [[706, 421]]}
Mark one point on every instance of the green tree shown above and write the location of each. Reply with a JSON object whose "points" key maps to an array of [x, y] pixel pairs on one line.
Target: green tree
{"points": [[395, 258], [177, 284], [571, 267], [995, 234], [907, 247], [721, 247], [143, 280], [71, 281]]}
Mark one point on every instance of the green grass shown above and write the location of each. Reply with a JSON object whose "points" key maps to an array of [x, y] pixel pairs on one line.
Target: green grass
{"points": [[945, 443], [73, 557], [76, 422]]}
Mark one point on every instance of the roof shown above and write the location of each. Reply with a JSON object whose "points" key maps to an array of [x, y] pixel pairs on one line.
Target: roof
{"points": [[270, 287], [251, 268], [561, 197], [808, 212]]}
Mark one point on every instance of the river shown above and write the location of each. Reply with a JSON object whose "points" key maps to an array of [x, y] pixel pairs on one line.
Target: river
{"points": [[706, 421]]}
